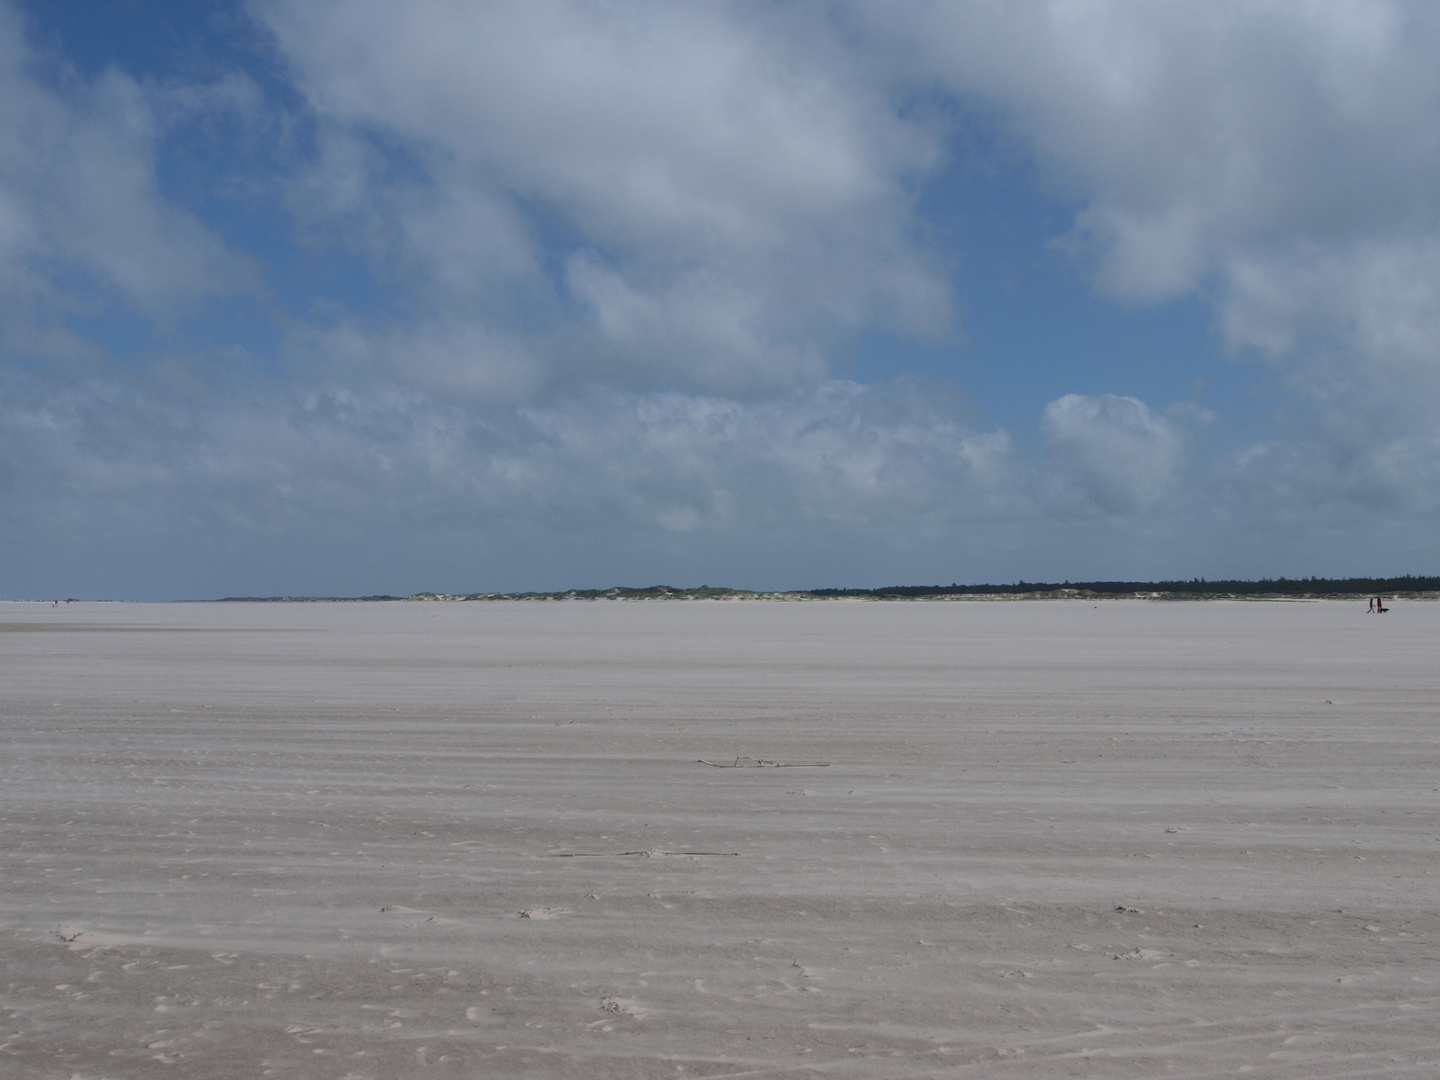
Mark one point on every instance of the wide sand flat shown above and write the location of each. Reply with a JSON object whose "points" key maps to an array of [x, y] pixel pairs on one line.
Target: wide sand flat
{"points": [[1053, 839]]}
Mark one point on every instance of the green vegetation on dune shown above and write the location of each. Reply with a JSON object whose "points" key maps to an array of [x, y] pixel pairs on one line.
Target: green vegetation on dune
{"points": [[619, 592]]}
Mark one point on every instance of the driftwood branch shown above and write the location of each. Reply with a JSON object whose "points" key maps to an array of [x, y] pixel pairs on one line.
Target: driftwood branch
{"points": [[761, 763]]}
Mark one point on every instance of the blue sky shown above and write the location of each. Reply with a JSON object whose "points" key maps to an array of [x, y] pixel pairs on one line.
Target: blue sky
{"points": [[346, 296]]}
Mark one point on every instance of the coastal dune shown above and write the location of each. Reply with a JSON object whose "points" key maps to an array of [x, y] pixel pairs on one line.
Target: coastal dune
{"points": [[679, 839]]}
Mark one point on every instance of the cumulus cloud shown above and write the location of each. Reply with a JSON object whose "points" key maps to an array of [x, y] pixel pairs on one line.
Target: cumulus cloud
{"points": [[706, 197], [1116, 450], [1195, 132], [719, 192], [881, 456], [81, 218], [888, 467], [618, 249], [1281, 161]]}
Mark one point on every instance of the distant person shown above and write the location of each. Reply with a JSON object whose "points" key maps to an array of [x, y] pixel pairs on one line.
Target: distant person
{"points": [[1371, 608]]}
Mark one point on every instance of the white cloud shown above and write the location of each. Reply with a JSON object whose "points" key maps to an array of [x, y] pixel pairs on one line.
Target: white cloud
{"points": [[731, 185], [1281, 160], [1193, 132], [625, 243], [887, 460], [1115, 450], [724, 192], [881, 457], [1377, 297], [80, 216]]}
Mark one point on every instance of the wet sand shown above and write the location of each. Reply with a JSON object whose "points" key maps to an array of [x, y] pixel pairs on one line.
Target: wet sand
{"points": [[1052, 838]]}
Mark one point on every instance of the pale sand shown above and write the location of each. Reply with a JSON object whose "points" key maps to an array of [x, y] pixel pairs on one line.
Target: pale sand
{"points": [[296, 840]]}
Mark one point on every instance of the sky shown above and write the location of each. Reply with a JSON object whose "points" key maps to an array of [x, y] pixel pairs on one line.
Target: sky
{"points": [[343, 297]]}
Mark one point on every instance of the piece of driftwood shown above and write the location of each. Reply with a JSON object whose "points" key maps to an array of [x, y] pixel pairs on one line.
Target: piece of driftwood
{"points": [[761, 763], [647, 853]]}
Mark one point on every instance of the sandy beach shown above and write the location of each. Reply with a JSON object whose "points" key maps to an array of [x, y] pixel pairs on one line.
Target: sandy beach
{"points": [[1029, 839]]}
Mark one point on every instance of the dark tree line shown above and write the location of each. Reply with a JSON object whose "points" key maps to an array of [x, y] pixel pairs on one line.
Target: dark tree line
{"points": [[1195, 587]]}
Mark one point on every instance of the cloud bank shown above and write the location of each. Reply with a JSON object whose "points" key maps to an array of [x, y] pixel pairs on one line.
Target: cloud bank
{"points": [[558, 293]]}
